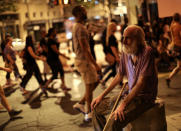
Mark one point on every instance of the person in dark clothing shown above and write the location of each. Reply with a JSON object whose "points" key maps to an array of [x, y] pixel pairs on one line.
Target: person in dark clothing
{"points": [[53, 59], [44, 52], [31, 66], [125, 24], [112, 49], [91, 41], [3, 45], [103, 37]]}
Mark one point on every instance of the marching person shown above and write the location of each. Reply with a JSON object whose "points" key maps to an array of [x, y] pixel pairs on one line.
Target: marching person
{"points": [[176, 38], [84, 61], [12, 112]]}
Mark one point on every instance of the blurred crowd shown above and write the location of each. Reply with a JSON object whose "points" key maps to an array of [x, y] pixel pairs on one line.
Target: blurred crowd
{"points": [[160, 35]]}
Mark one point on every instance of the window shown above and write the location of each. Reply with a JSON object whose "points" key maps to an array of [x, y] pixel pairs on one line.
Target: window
{"points": [[26, 15], [41, 14], [54, 13], [34, 14]]}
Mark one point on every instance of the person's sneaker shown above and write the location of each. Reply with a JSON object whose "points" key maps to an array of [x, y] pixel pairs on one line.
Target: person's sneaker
{"points": [[88, 117], [79, 107], [13, 113], [168, 82]]}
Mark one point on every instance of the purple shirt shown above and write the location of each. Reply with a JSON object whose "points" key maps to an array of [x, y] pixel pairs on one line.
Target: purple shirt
{"points": [[145, 67]]}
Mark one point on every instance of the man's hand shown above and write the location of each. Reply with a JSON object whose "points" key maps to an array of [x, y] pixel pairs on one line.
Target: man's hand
{"points": [[119, 112], [95, 102], [42, 58]]}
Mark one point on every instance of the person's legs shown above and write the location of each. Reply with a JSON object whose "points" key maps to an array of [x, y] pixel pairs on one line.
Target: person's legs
{"points": [[16, 71], [39, 78], [4, 101], [89, 94], [53, 67], [6, 105], [100, 111], [26, 78], [132, 112], [174, 72], [38, 74], [46, 70], [61, 71]]}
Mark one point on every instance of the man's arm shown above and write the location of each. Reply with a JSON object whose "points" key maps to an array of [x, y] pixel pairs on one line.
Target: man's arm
{"points": [[6, 69], [118, 78], [116, 53], [119, 112], [136, 90], [30, 50], [54, 48]]}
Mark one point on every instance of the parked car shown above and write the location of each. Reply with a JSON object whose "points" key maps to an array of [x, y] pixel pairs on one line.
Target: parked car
{"points": [[18, 44]]}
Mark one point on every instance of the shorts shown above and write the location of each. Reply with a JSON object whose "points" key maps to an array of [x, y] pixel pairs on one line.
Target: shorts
{"points": [[87, 71]]}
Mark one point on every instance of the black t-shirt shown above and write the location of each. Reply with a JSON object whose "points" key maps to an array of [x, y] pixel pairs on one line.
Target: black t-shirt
{"points": [[112, 42], [52, 55], [29, 59], [103, 38]]}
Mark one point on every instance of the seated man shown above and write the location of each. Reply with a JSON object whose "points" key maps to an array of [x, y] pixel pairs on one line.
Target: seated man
{"points": [[137, 64]]}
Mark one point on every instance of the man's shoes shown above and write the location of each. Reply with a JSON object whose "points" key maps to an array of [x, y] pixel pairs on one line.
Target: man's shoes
{"points": [[88, 117], [79, 107], [168, 82], [13, 113]]}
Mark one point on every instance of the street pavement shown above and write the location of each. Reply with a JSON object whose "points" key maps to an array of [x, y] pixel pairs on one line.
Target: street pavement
{"points": [[56, 112]]}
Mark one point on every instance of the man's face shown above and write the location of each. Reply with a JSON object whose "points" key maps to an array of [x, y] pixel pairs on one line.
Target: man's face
{"points": [[10, 41], [129, 42]]}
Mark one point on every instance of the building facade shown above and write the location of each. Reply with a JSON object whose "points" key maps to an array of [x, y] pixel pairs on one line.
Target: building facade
{"points": [[31, 17]]}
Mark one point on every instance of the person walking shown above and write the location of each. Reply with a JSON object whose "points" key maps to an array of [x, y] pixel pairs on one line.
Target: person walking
{"points": [[30, 65], [10, 60], [53, 59], [12, 112], [84, 61], [176, 39]]}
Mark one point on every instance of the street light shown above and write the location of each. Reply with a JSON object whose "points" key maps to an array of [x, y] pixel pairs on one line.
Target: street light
{"points": [[66, 2]]}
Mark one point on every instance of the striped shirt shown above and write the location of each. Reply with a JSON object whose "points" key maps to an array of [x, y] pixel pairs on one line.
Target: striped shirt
{"points": [[145, 67]]}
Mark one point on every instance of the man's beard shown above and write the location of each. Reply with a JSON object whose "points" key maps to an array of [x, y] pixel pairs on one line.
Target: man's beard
{"points": [[130, 49]]}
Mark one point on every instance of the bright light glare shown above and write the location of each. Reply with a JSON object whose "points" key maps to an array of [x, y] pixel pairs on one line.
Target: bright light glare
{"points": [[66, 1], [69, 35]]}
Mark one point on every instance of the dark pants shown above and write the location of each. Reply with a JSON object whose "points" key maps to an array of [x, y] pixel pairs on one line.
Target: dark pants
{"points": [[133, 111], [56, 67], [31, 68], [15, 71]]}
